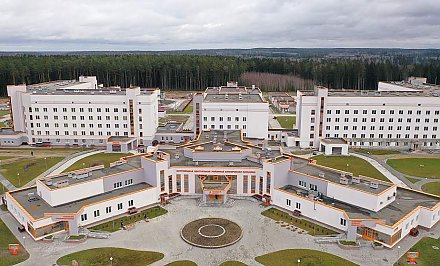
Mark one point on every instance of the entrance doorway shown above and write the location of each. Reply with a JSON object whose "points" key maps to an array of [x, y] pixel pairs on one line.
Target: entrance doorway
{"points": [[369, 234]]}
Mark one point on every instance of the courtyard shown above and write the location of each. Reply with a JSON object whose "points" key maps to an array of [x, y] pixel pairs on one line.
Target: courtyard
{"points": [[261, 235]]}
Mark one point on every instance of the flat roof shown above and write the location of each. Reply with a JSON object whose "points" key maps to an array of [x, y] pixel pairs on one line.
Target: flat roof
{"points": [[251, 98], [334, 141], [39, 207], [132, 163], [405, 202], [120, 139], [302, 166], [170, 127]]}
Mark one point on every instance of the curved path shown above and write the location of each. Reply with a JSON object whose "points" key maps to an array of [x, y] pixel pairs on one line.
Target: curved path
{"points": [[381, 169]]}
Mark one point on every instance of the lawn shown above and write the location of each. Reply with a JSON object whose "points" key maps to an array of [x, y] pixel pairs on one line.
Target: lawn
{"points": [[115, 225], [421, 167], [188, 110], [96, 159], [312, 228], [121, 256], [412, 180], [28, 169], [432, 187], [6, 237], [286, 121], [428, 255], [357, 166], [4, 112], [233, 263], [6, 157], [182, 263], [3, 189], [306, 257], [376, 152], [301, 152]]}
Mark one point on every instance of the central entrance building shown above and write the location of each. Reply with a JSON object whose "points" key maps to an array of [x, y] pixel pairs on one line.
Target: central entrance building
{"points": [[214, 188]]}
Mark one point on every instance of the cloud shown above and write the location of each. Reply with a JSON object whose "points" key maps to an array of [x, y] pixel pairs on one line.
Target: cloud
{"points": [[165, 24]]}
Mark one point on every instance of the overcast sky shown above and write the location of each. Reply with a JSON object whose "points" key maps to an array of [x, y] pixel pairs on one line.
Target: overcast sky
{"points": [[49, 25]]}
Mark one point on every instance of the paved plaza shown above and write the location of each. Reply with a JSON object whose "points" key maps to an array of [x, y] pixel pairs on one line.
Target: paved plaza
{"points": [[261, 235]]}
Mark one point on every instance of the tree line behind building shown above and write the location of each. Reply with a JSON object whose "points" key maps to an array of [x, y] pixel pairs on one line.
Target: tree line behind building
{"points": [[196, 72]]}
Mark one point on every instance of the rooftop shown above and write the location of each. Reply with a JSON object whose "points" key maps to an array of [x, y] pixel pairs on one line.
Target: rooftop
{"points": [[233, 94], [37, 208], [334, 141], [120, 139], [170, 127]]}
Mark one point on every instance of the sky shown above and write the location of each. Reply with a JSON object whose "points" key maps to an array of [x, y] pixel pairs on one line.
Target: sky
{"points": [[80, 25]]}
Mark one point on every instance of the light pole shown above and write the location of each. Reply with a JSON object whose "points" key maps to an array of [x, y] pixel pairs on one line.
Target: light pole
{"points": [[347, 167], [111, 260], [45, 162], [24, 240], [398, 254], [299, 261], [18, 176]]}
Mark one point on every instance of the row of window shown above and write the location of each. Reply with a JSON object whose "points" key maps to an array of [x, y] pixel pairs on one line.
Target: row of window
{"points": [[382, 112], [126, 183], [381, 120], [108, 209], [289, 203], [381, 136], [79, 133], [224, 127], [74, 117], [81, 125], [363, 128], [80, 109], [221, 119]]}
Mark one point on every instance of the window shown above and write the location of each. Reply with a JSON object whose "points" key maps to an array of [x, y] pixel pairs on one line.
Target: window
{"points": [[343, 222], [298, 205], [96, 213], [84, 217], [302, 183], [288, 202], [130, 203], [119, 206]]}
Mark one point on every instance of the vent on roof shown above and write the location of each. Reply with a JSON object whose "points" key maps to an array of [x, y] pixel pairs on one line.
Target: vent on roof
{"points": [[374, 185], [343, 181], [226, 96], [231, 163], [322, 175], [32, 197], [356, 180]]}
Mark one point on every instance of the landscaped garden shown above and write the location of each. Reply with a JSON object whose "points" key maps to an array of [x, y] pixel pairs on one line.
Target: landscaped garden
{"points": [[352, 164], [6, 238], [96, 159], [428, 249], [286, 121], [27, 169], [432, 187], [310, 227], [376, 152], [119, 256], [116, 224], [305, 256], [421, 167]]}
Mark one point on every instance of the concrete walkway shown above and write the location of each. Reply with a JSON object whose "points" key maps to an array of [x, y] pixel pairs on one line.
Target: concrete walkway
{"points": [[381, 169], [66, 164]]}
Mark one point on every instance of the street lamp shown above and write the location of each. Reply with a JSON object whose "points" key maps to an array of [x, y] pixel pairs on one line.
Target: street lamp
{"points": [[18, 176], [24, 240], [299, 261], [45, 162], [111, 260], [398, 254]]}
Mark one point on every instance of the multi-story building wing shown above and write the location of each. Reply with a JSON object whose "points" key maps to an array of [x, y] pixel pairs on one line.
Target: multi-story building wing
{"points": [[232, 107], [83, 113], [402, 115]]}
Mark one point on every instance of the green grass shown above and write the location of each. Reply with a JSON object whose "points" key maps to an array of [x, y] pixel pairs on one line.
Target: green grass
{"points": [[301, 152], [421, 167], [412, 180], [286, 121], [6, 237], [115, 225], [306, 256], [432, 188], [428, 255], [357, 166], [4, 112], [3, 189], [188, 110], [376, 152], [233, 263], [101, 256], [78, 237], [6, 157], [312, 228], [3, 208], [28, 169], [2, 124], [96, 159], [182, 263], [348, 243]]}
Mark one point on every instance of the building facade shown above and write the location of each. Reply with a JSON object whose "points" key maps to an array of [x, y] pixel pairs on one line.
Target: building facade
{"points": [[399, 115], [83, 112]]}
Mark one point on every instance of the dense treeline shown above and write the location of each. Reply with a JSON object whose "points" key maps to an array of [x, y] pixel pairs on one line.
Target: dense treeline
{"points": [[193, 72]]}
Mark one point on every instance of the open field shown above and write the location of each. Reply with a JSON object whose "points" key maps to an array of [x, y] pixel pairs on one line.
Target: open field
{"points": [[96, 159], [28, 169], [432, 187], [286, 121], [376, 152], [428, 255], [115, 225], [121, 256], [312, 228], [306, 257], [355, 165], [422, 167], [6, 237], [182, 263]]}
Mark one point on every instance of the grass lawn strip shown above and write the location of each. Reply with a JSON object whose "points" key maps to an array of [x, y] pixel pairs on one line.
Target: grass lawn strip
{"points": [[28, 169], [376, 152], [412, 180], [96, 159], [356, 165], [428, 255], [182, 263], [286, 121], [3, 189], [432, 188], [421, 167], [121, 256], [233, 263], [310, 227], [115, 225], [306, 256], [6, 237]]}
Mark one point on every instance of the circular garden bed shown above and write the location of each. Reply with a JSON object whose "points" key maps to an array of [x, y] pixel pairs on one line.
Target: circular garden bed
{"points": [[211, 233]]}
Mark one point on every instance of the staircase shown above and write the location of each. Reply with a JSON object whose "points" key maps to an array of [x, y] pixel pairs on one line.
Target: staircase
{"points": [[94, 233]]}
